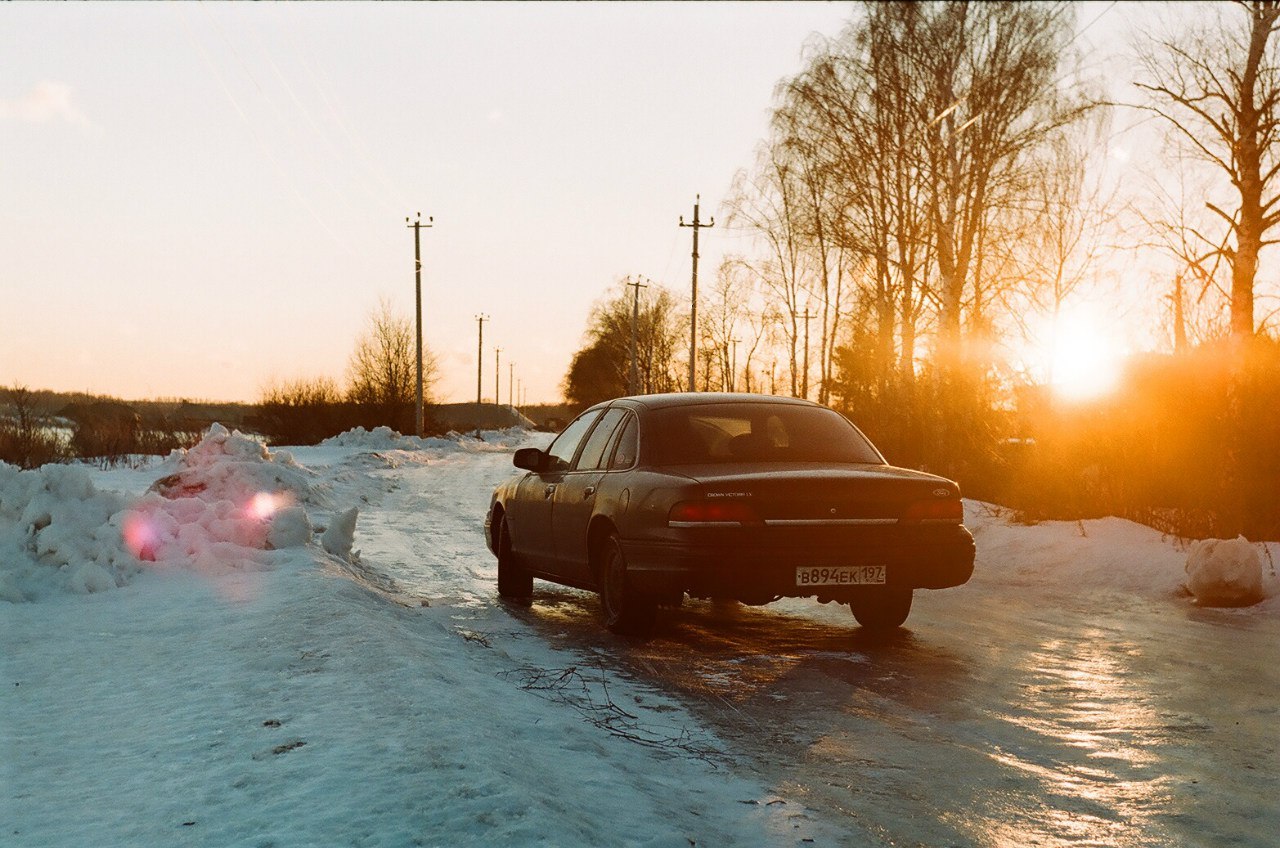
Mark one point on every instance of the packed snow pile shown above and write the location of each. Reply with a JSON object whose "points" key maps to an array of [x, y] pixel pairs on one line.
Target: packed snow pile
{"points": [[385, 439], [59, 532], [232, 466], [1224, 573], [228, 505]]}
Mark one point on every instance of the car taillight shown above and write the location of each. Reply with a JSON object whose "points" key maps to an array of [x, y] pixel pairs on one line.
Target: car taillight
{"points": [[950, 511], [712, 512]]}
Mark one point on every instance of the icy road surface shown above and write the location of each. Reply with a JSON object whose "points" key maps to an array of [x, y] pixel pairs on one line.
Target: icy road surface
{"points": [[1018, 710]]}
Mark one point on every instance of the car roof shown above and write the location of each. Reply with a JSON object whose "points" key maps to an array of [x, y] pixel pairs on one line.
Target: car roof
{"points": [[663, 401]]}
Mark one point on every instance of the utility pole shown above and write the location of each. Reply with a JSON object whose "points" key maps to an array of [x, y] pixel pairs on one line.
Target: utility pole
{"points": [[693, 306], [733, 367], [511, 381], [417, 289], [480, 319], [804, 382], [633, 387], [497, 375]]}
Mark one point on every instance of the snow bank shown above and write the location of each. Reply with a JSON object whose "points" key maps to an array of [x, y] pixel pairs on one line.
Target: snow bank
{"points": [[227, 504], [58, 531], [1224, 573], [384, 438], [1116, 554], [232, 466]]}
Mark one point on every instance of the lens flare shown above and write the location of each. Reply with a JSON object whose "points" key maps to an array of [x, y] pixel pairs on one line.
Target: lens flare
{"points": [[141, 536], [265, 504]]}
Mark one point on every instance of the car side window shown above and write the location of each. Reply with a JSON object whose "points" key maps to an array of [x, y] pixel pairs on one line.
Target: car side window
{"points": [[624, 455], [593, 451], [562, 450]]}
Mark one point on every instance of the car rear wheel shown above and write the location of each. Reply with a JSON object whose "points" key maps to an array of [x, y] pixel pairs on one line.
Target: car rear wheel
{"points": [[625, 611], [882, 608], [513, 580]]}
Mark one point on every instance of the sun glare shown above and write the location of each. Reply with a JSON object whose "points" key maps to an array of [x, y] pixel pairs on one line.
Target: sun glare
{"points": [[265, 504], [1083, 354]]}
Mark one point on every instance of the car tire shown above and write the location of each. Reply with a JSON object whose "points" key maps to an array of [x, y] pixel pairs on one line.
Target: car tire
{"points": [[513, 580], [881, 609], [625, 611]]}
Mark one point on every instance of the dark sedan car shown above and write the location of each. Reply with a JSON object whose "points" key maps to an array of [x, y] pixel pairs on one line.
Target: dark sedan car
{"points": [[735, 496]]}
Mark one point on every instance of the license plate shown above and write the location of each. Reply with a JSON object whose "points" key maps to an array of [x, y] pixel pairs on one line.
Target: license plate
{"points": [[840, 575]]}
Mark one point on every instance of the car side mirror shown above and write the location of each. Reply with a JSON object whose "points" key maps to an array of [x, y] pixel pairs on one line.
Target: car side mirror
{"points": [[530, 459]]}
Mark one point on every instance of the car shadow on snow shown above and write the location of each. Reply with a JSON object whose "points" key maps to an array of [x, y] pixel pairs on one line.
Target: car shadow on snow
{"points": [[748, 665]]}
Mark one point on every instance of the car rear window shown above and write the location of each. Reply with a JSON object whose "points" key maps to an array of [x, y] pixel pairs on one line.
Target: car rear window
{"points": [[756, 432]]}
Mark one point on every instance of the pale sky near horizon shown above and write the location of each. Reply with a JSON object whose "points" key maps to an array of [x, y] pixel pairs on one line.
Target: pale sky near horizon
{"points": [[198, 199]]}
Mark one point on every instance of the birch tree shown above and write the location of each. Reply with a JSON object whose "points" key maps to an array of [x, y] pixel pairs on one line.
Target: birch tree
{"points": [[1217, 86]]}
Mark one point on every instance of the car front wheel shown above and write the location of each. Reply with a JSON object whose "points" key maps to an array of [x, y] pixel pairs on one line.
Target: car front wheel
{"points": [[625, 611], [881, 608], [513, 580]]}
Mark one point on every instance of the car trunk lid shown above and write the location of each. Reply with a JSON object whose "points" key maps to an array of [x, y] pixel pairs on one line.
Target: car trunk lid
{"points": [[802, 494]]}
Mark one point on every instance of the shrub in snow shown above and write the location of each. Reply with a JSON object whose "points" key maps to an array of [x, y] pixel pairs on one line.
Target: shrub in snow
{"points": [[1224, 572]]}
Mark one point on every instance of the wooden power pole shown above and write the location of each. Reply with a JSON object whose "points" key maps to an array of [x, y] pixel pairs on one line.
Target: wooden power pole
{"points": [[417, 290], [480, 319], [633, 386], [693, 306]]}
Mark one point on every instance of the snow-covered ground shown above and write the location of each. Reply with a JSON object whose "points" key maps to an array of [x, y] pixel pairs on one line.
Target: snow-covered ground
{"points": [[243, 647]]}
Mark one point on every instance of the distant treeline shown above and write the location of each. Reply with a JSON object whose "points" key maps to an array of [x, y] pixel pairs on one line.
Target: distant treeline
{"points": [[38, 427]]}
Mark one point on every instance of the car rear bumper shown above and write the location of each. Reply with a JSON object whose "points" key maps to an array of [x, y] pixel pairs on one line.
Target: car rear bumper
{"points": [[941, 559]]}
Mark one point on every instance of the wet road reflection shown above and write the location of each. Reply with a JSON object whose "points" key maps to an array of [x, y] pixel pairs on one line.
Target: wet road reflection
{"points": [[984, 723]]}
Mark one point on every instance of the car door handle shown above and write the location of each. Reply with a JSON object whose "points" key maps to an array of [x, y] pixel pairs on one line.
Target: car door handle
{"points": [[588, 492], [549, 491]]}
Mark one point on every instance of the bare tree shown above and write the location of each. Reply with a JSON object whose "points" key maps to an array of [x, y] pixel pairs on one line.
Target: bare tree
{"points": [[769, 204], [993, 98], [1218, 86], [1175, 225], [24, 438], [728, 310], [853, 113], [1054, 239], [382, 371], [601, 368]]}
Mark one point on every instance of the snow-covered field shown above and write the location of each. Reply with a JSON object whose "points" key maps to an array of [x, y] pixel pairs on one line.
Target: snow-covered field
{"points": [[243, 647]]}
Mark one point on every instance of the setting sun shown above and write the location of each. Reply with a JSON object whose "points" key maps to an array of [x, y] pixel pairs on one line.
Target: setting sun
{"points": [[1082, 353]]}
